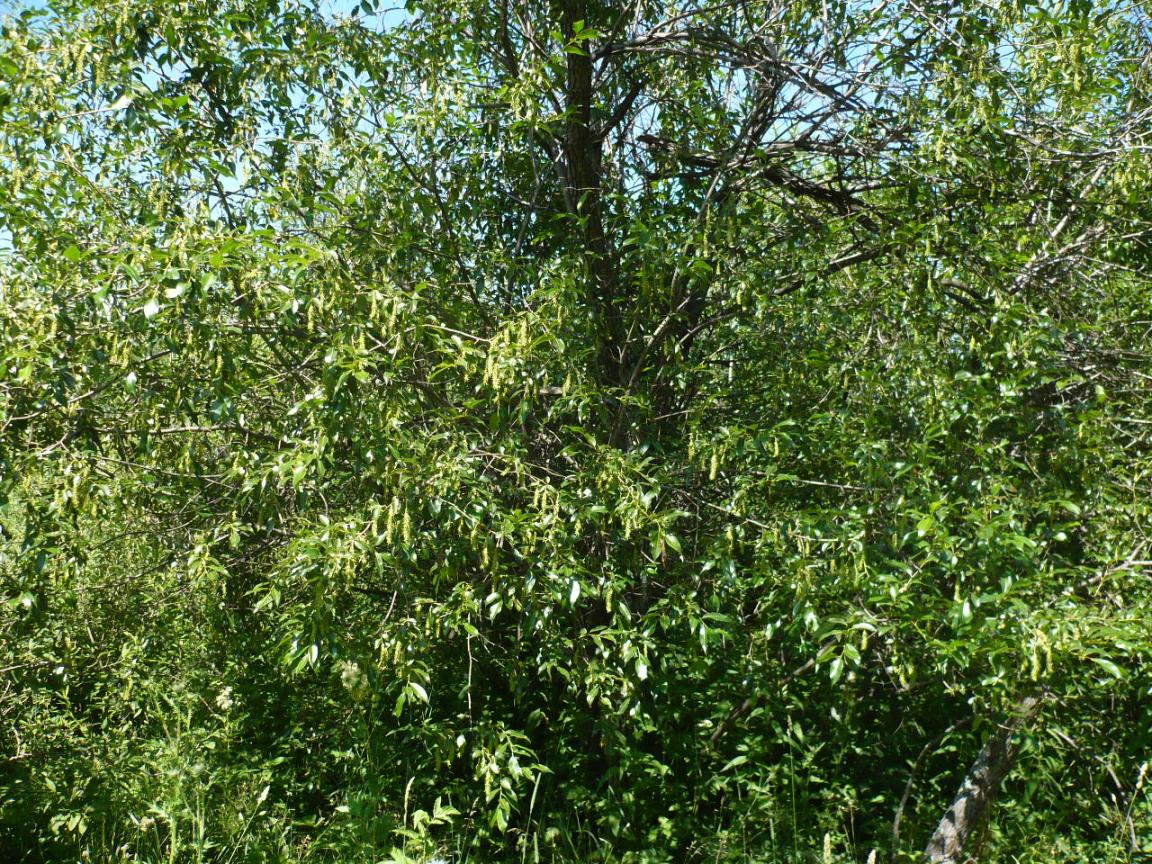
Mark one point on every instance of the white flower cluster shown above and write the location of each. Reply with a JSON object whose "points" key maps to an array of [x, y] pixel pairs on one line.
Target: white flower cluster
{"points": [[224, 699], [354, 679]]}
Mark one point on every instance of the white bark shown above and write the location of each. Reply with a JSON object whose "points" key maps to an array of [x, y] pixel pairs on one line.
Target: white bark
{"points": [[970, 806]]}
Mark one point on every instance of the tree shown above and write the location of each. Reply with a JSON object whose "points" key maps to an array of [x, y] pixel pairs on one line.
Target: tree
{"points": [[691, 431]]}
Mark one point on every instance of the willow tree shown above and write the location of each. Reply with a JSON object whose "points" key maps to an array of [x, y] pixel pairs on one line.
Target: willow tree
{"points": [[620, 431]]}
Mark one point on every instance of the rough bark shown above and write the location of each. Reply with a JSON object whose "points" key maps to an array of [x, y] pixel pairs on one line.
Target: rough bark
{"points": [[970, 806], [583, 193]]}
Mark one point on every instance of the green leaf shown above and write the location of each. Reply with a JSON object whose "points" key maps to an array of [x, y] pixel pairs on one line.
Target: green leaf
{"points": [[835, 669], [1108, 666]]}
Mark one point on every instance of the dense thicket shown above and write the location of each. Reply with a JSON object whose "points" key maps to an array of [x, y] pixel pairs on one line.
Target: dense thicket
{"points": [[559, 430]]}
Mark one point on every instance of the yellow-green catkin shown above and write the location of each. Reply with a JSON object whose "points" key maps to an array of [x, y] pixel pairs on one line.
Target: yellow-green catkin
{"points": [[390, 521], [490, 369]]}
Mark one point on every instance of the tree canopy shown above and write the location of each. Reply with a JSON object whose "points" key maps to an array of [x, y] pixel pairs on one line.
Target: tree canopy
{"points": [[561, 430]]}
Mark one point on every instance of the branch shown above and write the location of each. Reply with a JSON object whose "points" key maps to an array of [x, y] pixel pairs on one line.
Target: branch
{"points": [[970, 807]]}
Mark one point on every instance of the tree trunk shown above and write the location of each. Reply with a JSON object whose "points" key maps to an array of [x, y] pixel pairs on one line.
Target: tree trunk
{"points": [[582, 154], [970, 806]]}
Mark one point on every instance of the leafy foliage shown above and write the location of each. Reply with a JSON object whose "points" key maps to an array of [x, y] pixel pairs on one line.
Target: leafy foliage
{"points": [[572, 431]]}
